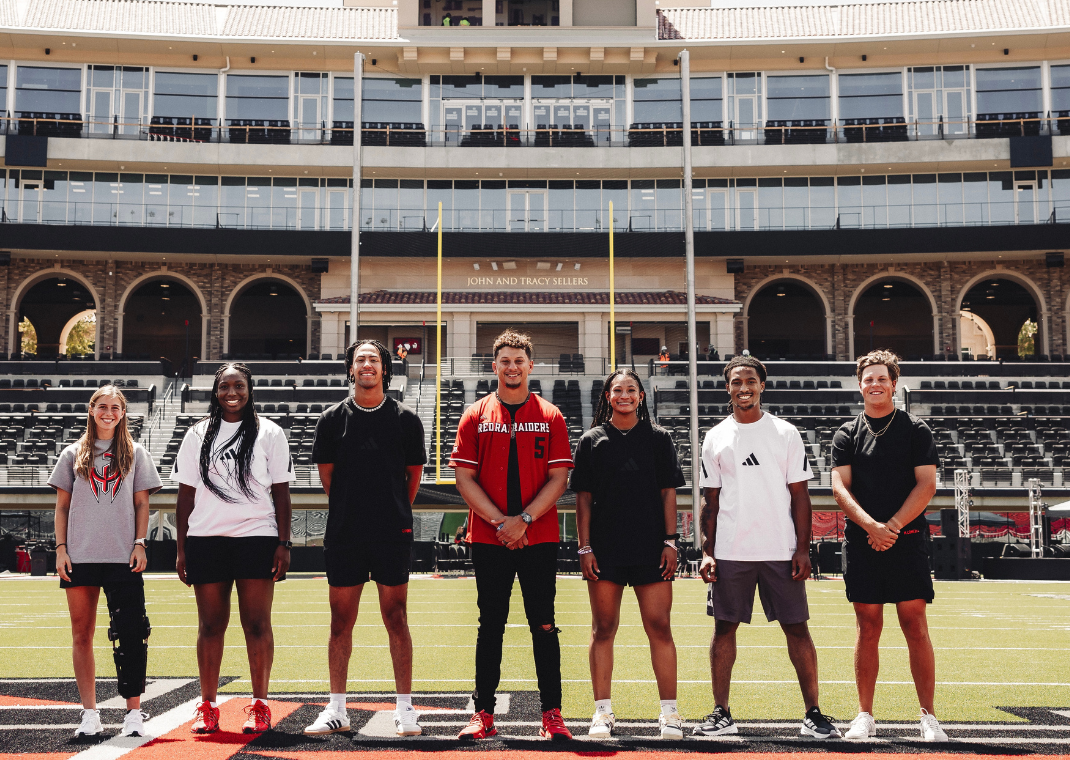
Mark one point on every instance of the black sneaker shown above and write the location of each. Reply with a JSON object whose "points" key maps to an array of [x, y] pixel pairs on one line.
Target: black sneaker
{"points": [[717, 723], [818, 726]]}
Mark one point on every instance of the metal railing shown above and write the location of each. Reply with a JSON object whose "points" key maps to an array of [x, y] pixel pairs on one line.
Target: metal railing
{"points": [[155, 421]]}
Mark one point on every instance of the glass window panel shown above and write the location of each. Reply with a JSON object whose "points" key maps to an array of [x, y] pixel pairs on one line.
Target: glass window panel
{"points": [[54, 198], [588, 203], [182, 94], [1011, 89], [134, 78], [1001, 197], [205, 192], [642, 205], [232, 202], [391, 88], [956, 76], [562, 206], [798, 97], [131, 210], [899, 201], [1060, 194], [875, 202], [155, 199], [395, 100], [258, 202], [950, 189], [492, 205], [871, 95], [925, 201], [102, 76], [3, 89], [343, 98], [411, 204], [923, 78], [670, 204], [79, 198], [657, 100], [259, 97], [822, 203], [284, 203], [1060, 88], [551, 86], [440, 191], [180, 200], [55, 90], [771, 203], [385, 202], [590, 86], [105, 198], [503, 87], [462, 86], [466, 204], [614, 191], [796, 203], [975, 197]]}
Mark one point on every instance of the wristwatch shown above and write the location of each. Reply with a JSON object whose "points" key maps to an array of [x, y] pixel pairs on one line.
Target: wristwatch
{"points": [[526, 518], [287, 544], [139, 542]]}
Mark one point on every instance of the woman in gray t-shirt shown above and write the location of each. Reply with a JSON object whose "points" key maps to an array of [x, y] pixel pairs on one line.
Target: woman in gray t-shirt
{"points": [[103, 482]]}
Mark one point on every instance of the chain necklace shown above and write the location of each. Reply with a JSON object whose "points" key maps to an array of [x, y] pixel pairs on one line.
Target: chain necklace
{"points": [[375, 408], [886, 427]]}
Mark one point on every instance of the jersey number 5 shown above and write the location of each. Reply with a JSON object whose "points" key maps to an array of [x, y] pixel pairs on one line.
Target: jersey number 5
{"points": [[540, 447]]}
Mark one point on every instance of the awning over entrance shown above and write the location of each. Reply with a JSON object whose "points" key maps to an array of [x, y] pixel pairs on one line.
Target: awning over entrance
{"points": [[493, 298]]}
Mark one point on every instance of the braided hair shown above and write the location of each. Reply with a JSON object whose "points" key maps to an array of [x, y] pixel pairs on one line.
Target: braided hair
{"points": [[744, 360], [605, 411], [244, 438], [384, 357]]}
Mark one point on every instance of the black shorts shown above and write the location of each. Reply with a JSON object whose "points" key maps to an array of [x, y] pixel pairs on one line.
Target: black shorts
{"points": [[631, 575], [221, 559], [353, 564], [100, 574], [900, 574]]}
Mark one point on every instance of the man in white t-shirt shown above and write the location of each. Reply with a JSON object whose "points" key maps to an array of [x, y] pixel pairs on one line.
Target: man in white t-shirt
{"points": [[756, 532]]}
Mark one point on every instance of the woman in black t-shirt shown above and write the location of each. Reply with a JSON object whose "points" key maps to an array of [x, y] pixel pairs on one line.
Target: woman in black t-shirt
{"points": [[625, 481]]}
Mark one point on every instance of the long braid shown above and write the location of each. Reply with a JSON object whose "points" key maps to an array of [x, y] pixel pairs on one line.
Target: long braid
{"points": [[245, 437], [605, 411]]}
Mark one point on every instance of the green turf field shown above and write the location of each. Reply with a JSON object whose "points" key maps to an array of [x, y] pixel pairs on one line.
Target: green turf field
{"points": [[998, 644]]}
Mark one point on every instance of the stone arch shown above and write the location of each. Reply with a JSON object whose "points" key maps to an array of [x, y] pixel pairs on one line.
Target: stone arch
{"points": [[792, 277], [33, 279], [254, 278], [161, 274], [1043, 315], [867, 283], [66, 331]]}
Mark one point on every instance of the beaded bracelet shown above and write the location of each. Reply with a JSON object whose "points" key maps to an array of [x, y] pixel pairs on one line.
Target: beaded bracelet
{"points": [[585, 550]]}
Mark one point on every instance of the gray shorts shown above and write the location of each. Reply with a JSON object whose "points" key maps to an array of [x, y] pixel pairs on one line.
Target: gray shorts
{"points": [[731, 597]]}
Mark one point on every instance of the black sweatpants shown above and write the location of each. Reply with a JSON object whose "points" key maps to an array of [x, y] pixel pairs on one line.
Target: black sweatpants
{"points": [[495, 568]]}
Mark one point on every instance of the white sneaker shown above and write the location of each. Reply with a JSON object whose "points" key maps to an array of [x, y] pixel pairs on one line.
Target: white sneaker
{"points": [[134, 724], [672, 726], [329, 722], [406, 723], [862, 727], [602, 725], [930, 728], [90, 724]]}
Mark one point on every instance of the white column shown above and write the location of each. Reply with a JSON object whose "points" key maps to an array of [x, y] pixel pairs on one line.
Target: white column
{"points": [[725, 340], [460, 336], [594, 339]]}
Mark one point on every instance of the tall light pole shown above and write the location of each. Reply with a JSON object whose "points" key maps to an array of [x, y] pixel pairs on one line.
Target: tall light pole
{"points": [[692, 331], [354, 240]]}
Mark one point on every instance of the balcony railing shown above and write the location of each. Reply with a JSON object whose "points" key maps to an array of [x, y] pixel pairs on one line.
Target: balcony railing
{"points": [[197, 129]]}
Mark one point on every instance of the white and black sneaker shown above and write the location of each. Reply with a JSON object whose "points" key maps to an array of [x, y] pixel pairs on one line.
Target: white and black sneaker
{"points": [[329, 722], [90, 725], [818, 726], [134, 723], [602, 725], [406, 723], [717, 723]]}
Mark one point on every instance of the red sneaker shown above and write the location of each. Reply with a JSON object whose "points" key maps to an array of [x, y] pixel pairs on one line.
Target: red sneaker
{"points": [[206, 719], [553, 726], [480, 727], [259, 718]]}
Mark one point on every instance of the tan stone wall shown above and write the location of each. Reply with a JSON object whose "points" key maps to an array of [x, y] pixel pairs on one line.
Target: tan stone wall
{"points": [[946, 282], [112, 281]]}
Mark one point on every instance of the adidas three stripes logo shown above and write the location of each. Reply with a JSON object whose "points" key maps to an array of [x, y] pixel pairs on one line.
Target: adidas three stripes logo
{"points": [[751, 461]]}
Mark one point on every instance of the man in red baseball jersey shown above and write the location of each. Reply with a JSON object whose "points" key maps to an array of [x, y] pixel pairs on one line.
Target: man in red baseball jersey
{"points": [[512, 458]]}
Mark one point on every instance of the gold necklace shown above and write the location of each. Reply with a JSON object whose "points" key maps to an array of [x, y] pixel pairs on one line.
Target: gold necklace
{"points": [[885, 430]]}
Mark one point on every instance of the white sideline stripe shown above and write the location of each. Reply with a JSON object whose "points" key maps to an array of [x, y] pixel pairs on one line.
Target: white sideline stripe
{"points": [[640, 680], [118, 746], [55, 726]]}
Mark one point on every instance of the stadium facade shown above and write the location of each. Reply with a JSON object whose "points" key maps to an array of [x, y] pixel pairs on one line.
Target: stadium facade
{"points": [[864, 173]]}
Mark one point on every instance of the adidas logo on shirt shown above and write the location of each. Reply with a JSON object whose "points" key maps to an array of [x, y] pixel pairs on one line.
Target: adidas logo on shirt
{"points": [[369, 445], [751, 461], [630, 466]]}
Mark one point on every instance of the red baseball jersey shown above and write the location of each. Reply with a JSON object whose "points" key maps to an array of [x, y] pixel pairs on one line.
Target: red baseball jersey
{"points": [[483, 438]]}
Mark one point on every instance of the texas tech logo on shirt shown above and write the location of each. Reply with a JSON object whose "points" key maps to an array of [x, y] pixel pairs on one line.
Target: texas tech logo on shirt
{"points": [[109, 478]]}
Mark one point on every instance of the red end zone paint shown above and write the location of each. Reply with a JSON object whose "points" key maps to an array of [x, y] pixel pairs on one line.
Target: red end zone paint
{"points": [[38, 756], [9, 701], [180, 744]]}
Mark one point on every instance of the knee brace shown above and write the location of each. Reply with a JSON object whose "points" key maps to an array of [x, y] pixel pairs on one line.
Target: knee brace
{"points": [[128, 632]]}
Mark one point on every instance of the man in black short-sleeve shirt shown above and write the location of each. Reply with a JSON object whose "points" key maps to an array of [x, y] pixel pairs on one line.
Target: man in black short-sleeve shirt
{"points": [[370, 453], [884, 475]]}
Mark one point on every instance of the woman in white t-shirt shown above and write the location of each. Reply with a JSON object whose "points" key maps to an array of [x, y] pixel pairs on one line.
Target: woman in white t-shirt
{"points": [[234, 474], [103, 482]]}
